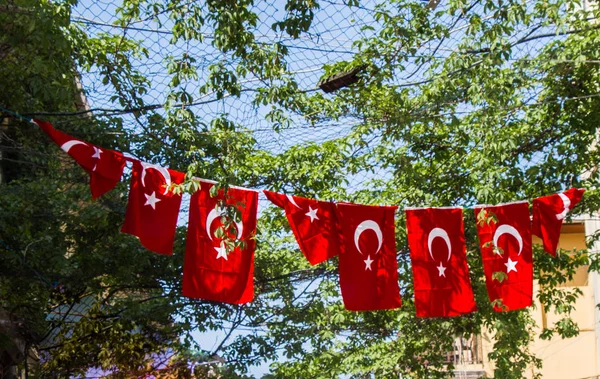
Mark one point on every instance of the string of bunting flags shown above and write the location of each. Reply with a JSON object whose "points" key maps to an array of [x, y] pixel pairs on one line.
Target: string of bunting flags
{"points": [[362, 236]]}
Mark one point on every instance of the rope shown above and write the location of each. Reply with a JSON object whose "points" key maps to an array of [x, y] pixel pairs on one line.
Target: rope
{"points": [[15, 114], [130, 158]]}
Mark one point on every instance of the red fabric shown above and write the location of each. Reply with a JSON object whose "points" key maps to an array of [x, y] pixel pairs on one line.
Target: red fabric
{"points": [[512, 233], [549, 213], [313, 223], [152, 209], [104, 166], [368, 267], [439, 262], [209, 272]]}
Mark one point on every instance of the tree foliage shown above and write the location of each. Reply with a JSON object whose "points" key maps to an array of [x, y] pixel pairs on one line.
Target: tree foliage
{"points": [[488, 125]]}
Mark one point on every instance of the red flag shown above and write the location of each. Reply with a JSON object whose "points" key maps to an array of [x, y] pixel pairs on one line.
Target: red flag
{"points": [[104, 166], [368, 266], [211, 272], [505, 240], [439, 262], [314, 225], [153, 208], [549, 213]]}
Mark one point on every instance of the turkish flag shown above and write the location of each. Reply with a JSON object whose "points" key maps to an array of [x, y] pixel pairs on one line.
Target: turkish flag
{"points": [[368, 267], [505, 240], [104, 166], [439, 262], [153, 208], [210, 270], [549, 213], [313, 223]]}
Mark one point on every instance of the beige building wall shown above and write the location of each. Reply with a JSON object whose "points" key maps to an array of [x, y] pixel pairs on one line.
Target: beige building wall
{"points": [[577, 357], [573, 358]]}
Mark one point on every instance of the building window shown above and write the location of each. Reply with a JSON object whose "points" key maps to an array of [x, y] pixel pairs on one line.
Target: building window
{"points": [[466, 351]]}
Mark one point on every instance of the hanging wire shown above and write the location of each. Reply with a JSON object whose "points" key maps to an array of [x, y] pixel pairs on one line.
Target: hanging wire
{"points": [[26, 264], [15, 114]]}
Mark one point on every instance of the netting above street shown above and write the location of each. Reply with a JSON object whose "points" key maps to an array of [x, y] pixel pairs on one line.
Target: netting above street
{"points": [[331, 38]]}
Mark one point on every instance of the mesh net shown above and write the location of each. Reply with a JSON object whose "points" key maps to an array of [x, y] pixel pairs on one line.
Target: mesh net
{"points": [[331, 38]]}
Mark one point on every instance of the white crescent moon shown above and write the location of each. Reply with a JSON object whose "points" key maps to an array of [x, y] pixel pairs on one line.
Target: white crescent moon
{"points": [[165, 173], [566, 205], [508, 229], [69, 144], [441, 233], [212, 215], [291, 199], [366, 225]]}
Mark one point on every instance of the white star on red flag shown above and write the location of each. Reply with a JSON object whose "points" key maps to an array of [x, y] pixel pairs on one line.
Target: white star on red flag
{"points": [[312, 213], [368, 262], [221, 251], [151, 200], [97, 152], [511, 265], [441, 270]]}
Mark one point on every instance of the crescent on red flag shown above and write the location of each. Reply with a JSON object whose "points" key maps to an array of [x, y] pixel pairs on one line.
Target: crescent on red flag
{"points": [[439, 233], [508, 229], [368, 283], [514, 289], [215, 213], [566, 205], [316, 231], [291, 200], [442, 289], [104, 173], [150, 216], [69, 144], [163, 171], [210, 272], [549, 213], [368, 225]]}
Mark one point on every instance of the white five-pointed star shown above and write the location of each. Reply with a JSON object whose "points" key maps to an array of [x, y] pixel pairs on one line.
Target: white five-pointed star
{"points": [[368, 262], [511, 266], [97, 152], [221, 251], [312, 213], [441, 270], [151, 200]]}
